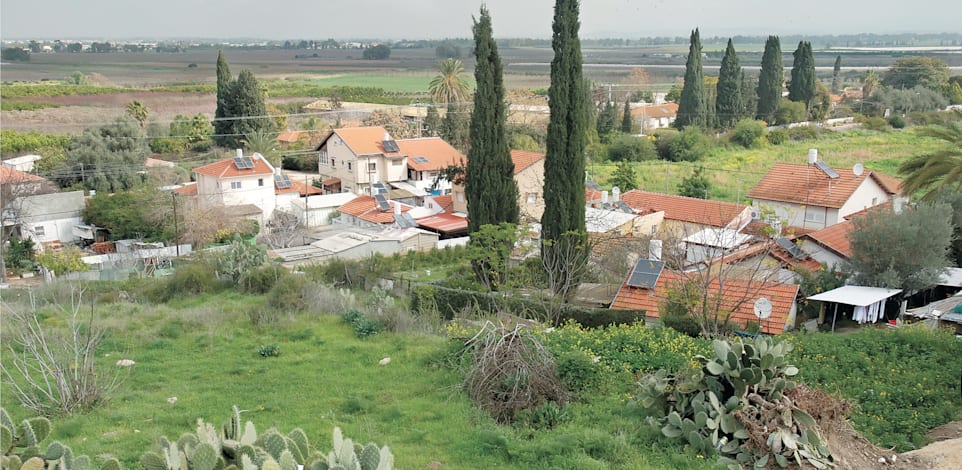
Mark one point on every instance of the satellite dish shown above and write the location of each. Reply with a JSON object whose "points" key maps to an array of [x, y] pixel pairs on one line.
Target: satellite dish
{"points": [[763, 308], [858, 169]]}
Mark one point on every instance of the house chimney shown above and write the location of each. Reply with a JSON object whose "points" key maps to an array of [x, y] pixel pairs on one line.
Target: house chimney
{"points": [[615, 193], [240, 153], [604, 197], [654, 250]]}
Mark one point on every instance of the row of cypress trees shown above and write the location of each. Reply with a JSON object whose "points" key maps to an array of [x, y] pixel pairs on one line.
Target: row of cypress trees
{"points": [[736, 96]]}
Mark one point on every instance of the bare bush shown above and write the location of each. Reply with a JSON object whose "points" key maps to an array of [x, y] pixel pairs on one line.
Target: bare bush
{"points": [[57, 370], [511, 371]]}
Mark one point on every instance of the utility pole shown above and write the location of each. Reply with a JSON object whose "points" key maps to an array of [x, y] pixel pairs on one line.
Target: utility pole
{"points": [[173, 199], [83, 175]]}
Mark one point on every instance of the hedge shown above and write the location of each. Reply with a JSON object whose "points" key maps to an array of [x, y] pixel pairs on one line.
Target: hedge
{"points": [[449, 302]]}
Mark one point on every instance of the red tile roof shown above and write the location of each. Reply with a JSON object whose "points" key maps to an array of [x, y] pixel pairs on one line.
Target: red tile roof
{"points": [[362, 140], [11, 176], [787, 182], [784, 258], [444, 222], [365, 207], [522, 159], [834, 237], [686, 209], [738, 296], [890, 184], [187, 190], [299, 187], [437, 153], [446, 202], [657, 111], [226, 169]]}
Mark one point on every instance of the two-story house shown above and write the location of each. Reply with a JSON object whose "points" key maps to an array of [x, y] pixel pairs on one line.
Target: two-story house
{"points": [[528, 175], [816, 196], [427, 157], [686, 216], [351, 159], [239, 182]]}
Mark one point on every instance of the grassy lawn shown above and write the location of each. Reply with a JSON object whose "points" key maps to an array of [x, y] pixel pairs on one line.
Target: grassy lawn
{"points": [[203, 350], [735, 170]]}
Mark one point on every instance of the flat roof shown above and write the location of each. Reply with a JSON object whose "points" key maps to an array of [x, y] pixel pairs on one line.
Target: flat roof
{"points": [[860, 296]]}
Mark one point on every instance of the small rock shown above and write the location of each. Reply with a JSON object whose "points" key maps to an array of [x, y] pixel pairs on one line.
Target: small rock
{"points": [[125, 363], [385, 361], [172, 400]]}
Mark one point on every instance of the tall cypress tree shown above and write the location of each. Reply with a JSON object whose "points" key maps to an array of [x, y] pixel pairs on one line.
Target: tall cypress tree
{"points": [[489, 186], [222, 126], [626, 123], [606, 120], [729, 103], [691, 106], [749, 88], [432, 122], [836, 79], [802, 86], [247, 101], [770, 80], [564, 238]]}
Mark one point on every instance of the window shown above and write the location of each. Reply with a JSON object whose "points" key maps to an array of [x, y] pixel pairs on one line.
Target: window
{"points": [[260, 181], [332, 163], [372, 166], [532, 198], [874, 201], [38, 231], [814, 216], [654, 230], [322, 157], [349, 166], [235, 185]]}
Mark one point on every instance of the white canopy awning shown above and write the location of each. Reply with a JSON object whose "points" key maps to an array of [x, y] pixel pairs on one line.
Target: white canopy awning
{"points": [[952, 277], [856, 295]]}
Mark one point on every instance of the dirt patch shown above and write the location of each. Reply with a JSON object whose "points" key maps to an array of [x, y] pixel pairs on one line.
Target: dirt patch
{"points": [[952, 430], [942, 455]]}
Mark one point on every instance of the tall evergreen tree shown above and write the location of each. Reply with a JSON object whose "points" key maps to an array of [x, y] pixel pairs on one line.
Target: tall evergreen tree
{"points": [[836, 78], [729, 102], [432, 122], [691, 106], [749, 88], [222, 126], [606, 120], [455, 125], [802, 86], [564, 245], [770, 80], [489, 186], [626, 123], [246, 104]]}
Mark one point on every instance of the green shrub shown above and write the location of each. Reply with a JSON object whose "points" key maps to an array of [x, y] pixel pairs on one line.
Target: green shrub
{"points": [[897, 122], [579, 372], [192, 278], [875, 123], [269, 350], [363, 326], [289, 293], [777, 136], [261, 280], [630, 148], [789, 112], [166, 145], [684, 324], [689, 145], [804, 133], [748, 132]]}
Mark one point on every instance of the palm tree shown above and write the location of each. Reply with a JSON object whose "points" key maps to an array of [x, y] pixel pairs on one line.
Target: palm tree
{"points": [[264, 143], [938, 170], [448, 85]]}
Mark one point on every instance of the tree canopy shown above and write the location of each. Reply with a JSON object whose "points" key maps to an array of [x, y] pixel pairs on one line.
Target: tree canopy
{"points": [[802, 86], [770, 80], [939, 170], [107, 158], [378, 52], [729, 101], [691, 107], [449, 86], [909, 72]]}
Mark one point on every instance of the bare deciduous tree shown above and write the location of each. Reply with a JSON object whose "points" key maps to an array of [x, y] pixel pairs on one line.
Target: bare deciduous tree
{"points": [[282, 231]]}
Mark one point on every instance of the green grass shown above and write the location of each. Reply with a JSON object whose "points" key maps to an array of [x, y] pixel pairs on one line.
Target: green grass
{"points": [[734, 170], [400, 82], [25, 105], [203, 351]]}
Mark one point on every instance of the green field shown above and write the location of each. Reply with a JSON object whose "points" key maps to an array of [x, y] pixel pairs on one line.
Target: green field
{"points": [[734, 170], [400, 82]]}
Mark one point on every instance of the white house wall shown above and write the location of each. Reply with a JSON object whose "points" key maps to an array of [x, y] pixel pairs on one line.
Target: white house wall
{"points": [[794, 214], [868, 194]]}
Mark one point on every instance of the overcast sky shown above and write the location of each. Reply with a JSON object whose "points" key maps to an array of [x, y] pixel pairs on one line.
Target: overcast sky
{"points": [[429, 19]]}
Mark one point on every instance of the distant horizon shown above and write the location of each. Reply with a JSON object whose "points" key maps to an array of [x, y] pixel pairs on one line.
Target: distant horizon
{"points": [[434, 19]]}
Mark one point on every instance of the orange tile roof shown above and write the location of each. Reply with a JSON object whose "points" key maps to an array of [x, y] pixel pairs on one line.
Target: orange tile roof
{"points": [[444, 222], [784, 258], [786, 182], [11, 176], [738, 296], [592, 195], [365, 207], [446, 202], [522, 159], [299, 187], [686, 209], [657, 111], [226, 169], [438, 153], [289, 137], [890, 184], [834, 237], [362, 140], [187, 190]]}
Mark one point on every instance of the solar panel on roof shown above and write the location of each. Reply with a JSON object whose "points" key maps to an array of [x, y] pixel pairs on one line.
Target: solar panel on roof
{"points": [[382, 203], [420, 159], [390, 146], [282, 181], [646, 273], [826, 169], [378, 188], [624, 207], [243, 163], [791, 248], [405, 221]]}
